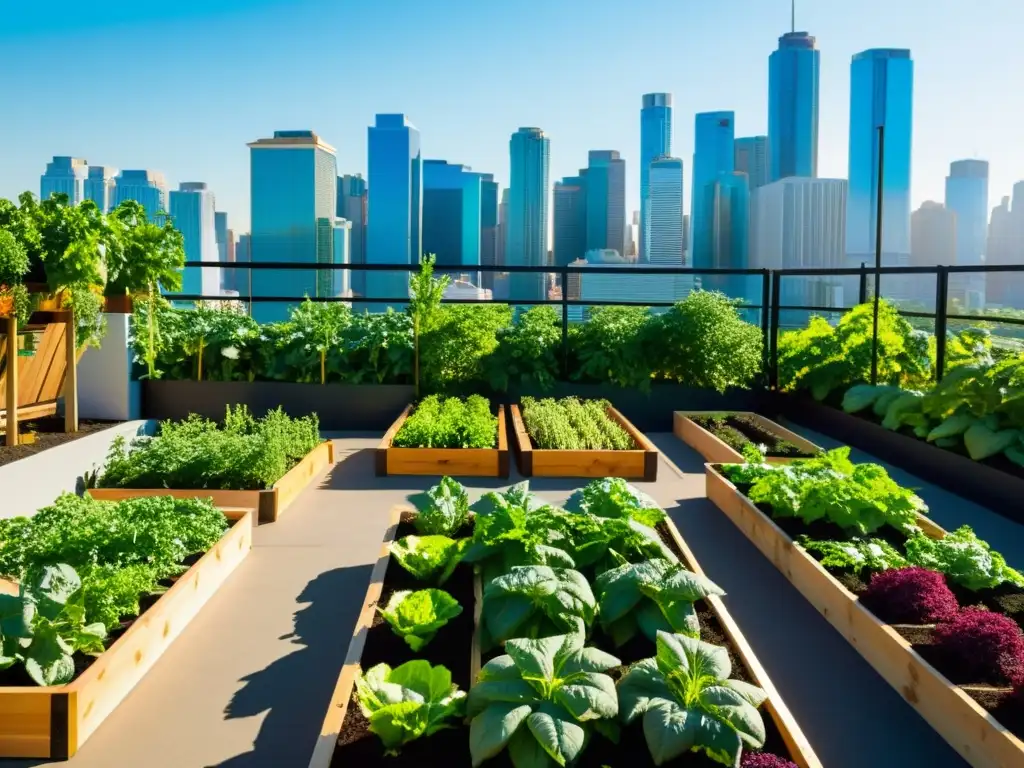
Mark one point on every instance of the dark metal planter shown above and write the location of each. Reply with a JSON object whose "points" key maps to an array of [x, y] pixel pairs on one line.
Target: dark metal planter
{"points": [[358, 407], [992, 488]]}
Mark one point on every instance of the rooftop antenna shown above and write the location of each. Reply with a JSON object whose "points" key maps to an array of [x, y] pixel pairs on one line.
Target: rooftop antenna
{"points": [[792, 18]]}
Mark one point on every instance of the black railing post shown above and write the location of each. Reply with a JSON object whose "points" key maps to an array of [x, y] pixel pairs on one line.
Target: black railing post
{"points": [[941, 309], [773, 331], [565, 323], [878, 253], [862, 290], [766, 297]]}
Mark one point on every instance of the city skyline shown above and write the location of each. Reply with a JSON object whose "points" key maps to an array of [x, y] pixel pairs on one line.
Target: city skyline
{"points": [[148, 136]]}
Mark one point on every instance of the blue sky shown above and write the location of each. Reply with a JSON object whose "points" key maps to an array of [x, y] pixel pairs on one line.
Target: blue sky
{"points": [[181, 89]]}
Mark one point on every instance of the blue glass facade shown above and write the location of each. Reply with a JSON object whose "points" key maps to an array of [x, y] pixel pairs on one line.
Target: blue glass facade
{"points": [[655, 142], [488, 227], [529, 151], [714, 154], [293, 179], [341, 281], [99, 186], [191, 210], [148, 188], [352, 206], [451, 213], [727, 202], [570, 220], [64, 176], [666, 212], [967, 196], [881, 94], [752, 159], [395, 230], [606, 201], [793, 76]]}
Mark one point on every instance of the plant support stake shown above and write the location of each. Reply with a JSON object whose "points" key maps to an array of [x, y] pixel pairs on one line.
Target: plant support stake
{"points": [[878, 254]]}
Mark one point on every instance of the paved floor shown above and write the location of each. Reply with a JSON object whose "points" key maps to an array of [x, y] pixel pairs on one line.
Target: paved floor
{"points": [[247, 684]]}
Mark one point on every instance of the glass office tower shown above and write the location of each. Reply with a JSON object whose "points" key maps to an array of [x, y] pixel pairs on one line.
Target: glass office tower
{"points": [[64, 176], [99, 186], [967, 197], [352, 206], [570, 220], [752, 159], [451, 214], [714, 155], [529, 152], [655, 142], [606, 201], [793, 76], [488, 227], [192, 212], [148, 188]]}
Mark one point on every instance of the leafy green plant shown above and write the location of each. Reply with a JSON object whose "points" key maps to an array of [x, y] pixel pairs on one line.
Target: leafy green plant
{"points": [[429, 558], [571, 424], [614, 497], [409, 702], [537, 601], [449, 423], [689, 704], [855, 554], [540, 701], [652, 596], [963, 558], [613, 345], [526, 351], [14, 266], [425, 293], [446, 509], [417, 616], [455, 351]]}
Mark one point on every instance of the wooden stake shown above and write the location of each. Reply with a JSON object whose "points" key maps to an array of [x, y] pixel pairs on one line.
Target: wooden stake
{"points": [[12, 380], [70, 376]]}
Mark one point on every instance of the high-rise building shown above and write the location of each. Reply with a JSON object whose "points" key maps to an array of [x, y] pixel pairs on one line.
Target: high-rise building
{"points": [[341, 279], [933, 235], [64, 176], [220, 219], [488, 227], [606, 200], [395, 230], [714, 155], [352, 206], [503, 227], [451, 213], [230, 278], [800, 223], [192, 211], [570, 220], [655, 142], [243, 253], [881, 94], [1006, 246], [148, 188], [793, 74], [752, 159], [99, 186], [727, 203], [527, 244], [967, 196], [665, 212], [293, 178]]}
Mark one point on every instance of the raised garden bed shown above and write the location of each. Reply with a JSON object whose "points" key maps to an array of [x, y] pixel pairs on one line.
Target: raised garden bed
{"points": [[465, 462], [719, 436], [54, 721], [345, 740], [638, 461], [964, 715]]}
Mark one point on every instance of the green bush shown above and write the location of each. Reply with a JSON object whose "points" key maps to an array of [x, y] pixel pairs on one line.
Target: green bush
{"points": [[527, 351], [613, 346], [449, 423]]}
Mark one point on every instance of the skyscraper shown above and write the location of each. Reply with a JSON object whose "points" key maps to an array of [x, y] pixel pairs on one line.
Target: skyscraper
{"points": [[293, 180], [793, 107], [655, 142], [751, 158], [99, 186], [529, 153], [881, 94], [606, 201], [64, 176], [488, 227], [503, 227], [665, 212], [967, 196], [1006, 246], [192, 212], [570, 224], [451, 213], [395, 230], [341, 282], [714, 155], [352, 206], [220, 219], [727, 205], [148, 188], [933, 235]]}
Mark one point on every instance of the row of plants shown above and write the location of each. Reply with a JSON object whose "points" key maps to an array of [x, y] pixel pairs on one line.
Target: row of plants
{"points": [[591, 629], [449, 422], [241, 453], [572, 424], [953, 598], [86, 570], [741, 430]]}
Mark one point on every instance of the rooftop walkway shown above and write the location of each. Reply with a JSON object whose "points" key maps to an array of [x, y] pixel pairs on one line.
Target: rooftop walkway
{"points": [[246, 685]]}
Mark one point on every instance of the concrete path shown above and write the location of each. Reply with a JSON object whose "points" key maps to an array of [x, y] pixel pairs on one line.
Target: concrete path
{"points": [[248, 682]]}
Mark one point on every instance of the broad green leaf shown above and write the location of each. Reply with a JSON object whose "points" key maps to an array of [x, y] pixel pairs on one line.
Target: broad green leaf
{"points": [[1015, 453], [52, 587], [556, 732], [425, 557], [526, 752], [753, 694], [484, 693], [16, 616], [587, 660], [693, 656], [48, 658], [639, 688], [719, 740], [588, 696], [417, 616], [885, 399], [499, 668], [681, 617], [730, 705], [670, 730], [535, 658], [394, 724], [682, 584], [651, 620], [862, 396], [504, 615], [983, 442], [490, 730]]}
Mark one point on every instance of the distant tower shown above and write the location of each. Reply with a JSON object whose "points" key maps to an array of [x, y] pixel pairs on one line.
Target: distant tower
{"points": [[570, 220], [352, 206], [665, 209], [529, 152], [148, 188], [99, 186], [793, 76], [192, 212], [967, 197], [64, 176], [714, 155], [655, 142], [752, 159], [606, 201], [488, 227], [451, 214]]}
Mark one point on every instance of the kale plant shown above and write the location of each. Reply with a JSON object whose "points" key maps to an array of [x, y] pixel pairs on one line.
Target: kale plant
{"points": [[537, 601], [445, 511]]}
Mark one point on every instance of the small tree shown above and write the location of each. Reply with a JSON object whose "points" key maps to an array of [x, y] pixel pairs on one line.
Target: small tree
{"points": [[13, 268], [425, 294]]}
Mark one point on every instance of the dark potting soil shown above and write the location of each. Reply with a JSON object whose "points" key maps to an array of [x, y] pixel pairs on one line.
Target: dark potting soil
{"points": [[736, 430], [49, 433]]}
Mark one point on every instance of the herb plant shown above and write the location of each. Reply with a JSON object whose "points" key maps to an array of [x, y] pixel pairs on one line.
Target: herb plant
{"points": [[429, 558], [417, 616], [449, 423], [689, 704], [571, 424], [537, 601], [540, 701], [409, 702], [446, 509]]}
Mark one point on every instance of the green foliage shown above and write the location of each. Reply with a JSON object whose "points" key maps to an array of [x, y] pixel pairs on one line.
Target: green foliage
{"points": [[142, 256], [14, 266], [242, 454], [615, 498], [652, 596], [963, 558], [689, 704], [446, 509], [537, 601], [459, 344], [613, 346], [429, 558], [409, 702], [527, 351], [855, 554], [571, 424], [540, 701], [449, 423], [425, 294], [417, 616]]}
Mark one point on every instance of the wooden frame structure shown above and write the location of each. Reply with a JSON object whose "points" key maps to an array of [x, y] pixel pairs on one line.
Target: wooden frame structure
{"points": [[717, 451]]}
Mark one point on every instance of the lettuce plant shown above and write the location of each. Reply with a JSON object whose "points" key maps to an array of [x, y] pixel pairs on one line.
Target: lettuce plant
{"points": [[429, 558], [650, 597], [963, 558], [446, 510], [982, 646], [537, 600], [615, 498], [409, 702], [688, 702], [540, 700], [910, 596], [855, 555], [417, 616]]}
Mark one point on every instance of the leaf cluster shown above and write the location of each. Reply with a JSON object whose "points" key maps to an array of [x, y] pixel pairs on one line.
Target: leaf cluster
{"points": [[429, 558], [417, 616], [526, 354], [963, 558], [571, 424], [445, 511], [449, 422]]}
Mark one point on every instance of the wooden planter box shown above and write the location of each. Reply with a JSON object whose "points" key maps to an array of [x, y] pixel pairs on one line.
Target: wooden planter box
{"points": [[638, 464], [969, 729], [800, 749], [269, 503], [716, 451], [54, 721], [455, 462]]}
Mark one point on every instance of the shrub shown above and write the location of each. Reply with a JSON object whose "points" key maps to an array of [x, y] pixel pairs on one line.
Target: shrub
{"points": [[527, 351], [765, 760], [460, 339], [984, 647], [910, 596], [613, 346]]}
